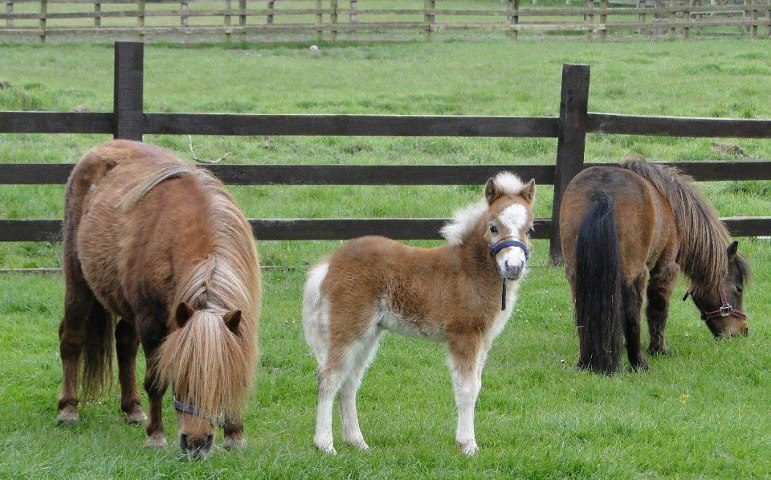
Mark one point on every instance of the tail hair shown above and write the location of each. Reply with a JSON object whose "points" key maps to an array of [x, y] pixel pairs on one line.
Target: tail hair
{"points": [[597, 285]]}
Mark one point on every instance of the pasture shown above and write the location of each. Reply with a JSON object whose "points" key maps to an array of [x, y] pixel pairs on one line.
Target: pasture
{"points": [[701, 411]]}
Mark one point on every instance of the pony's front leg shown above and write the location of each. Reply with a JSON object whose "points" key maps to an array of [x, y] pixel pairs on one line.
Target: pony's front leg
{"points": [[155, 391], [466, 371], [234, 432]]}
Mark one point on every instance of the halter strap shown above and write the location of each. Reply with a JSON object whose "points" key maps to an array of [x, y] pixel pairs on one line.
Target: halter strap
{"points": [[215, 420], [725, 310], [497, 247]]}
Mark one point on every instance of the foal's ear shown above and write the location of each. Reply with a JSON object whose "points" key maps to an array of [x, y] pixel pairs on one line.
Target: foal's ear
{"points": [[528, 191], [732, 249], [232, 320], [183, 314], [491, 192]]}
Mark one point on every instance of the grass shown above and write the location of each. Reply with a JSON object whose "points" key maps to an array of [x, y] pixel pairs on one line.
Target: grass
{"points": [[700, 412]]}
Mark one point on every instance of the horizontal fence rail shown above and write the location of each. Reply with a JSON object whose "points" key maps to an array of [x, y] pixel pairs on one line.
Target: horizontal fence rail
{"points": [[331, 19], [128, 121]]}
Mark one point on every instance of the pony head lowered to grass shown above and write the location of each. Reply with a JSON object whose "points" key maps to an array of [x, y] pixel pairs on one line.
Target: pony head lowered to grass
{"points": [[461, 294]]}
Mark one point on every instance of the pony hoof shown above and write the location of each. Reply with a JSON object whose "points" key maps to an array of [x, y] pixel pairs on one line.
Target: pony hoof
{"points": [[469, 448], [156, 440], [358, 443], [641, 366], [68, 416], [136, 417], [326, 448], [658, 350], [234, 443]]}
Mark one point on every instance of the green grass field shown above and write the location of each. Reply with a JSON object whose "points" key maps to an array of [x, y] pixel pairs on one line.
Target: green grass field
{"points": [[701, 411]]}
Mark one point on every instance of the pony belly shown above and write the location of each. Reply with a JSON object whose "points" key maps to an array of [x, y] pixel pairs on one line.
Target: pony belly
{"points": [[388, 319]]}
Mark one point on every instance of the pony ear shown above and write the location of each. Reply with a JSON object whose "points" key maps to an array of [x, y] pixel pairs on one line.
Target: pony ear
{"points": [[232, 320], [528, 191], [491, 192], [732, 249], [183, 314]]}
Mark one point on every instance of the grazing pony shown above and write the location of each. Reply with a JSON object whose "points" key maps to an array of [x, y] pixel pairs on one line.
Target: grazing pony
{"points": [[461, 294], [157, 251], [626, 231]]}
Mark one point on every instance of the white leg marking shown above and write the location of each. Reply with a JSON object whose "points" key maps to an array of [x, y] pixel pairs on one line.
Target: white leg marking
{"points": [[351, 432], [466, 383]]}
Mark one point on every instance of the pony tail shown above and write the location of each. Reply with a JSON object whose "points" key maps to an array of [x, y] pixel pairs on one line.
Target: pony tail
{"points": [[96, 357], [598, 281]]}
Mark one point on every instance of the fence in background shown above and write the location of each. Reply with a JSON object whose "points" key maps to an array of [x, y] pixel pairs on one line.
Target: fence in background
{"points": [[129, 121], [328, 19]]}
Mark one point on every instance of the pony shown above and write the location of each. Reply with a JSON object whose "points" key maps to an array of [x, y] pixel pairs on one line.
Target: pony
{"points": [[461, 294], [156, 251], [626, 231]]}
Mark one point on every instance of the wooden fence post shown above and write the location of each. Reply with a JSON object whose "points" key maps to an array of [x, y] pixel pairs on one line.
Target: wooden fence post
{"points": [[754, 26], [333, 18], [9, 11], [319, 20], [589, 18], [571, 143], [184, 10], [672, 18], [429, 17], [271, 5], [228, 20], [97, 13], [603, 19], [43, 15], [128, 87], [242, 18], [352, 12], [141, 19], [514, 18]]}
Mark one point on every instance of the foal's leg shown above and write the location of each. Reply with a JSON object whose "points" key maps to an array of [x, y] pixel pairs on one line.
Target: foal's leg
{"points": [[234, 432], [126, 346], [78, 303], [632, 297], [152, 337], [341, 360], [347, 396], [659, 291], [466, 370]]}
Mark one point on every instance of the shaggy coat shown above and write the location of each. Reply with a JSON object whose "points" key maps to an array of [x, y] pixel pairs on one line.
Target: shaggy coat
{"points": [[450, 293], [626, 231], [156, 251]]}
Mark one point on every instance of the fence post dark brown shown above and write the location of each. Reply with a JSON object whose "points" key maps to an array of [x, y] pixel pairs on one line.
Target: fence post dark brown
{"points": [[128, 87], [571, 143]]}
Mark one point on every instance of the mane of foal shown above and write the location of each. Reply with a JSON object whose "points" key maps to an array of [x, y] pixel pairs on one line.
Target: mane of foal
{"points": [[209, 366]]}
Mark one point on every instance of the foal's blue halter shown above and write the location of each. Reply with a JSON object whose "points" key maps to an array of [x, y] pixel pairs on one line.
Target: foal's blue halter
{"points": [[497, 247]]}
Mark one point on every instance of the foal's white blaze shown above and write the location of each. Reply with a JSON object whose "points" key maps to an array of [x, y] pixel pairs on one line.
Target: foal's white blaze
{"points": [[513, 218]]}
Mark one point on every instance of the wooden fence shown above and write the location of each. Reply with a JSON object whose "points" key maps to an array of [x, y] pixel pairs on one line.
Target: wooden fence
{"points": [[328, 19], [129, 121]]}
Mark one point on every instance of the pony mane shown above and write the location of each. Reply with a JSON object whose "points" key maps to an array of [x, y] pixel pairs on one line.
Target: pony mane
{"points": [[209, 366], [703, 237], [465, 219]]}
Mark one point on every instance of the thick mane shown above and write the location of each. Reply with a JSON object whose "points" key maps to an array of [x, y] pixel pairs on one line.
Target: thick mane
{"points": [[208, 366], [466, 219], [703, 237]]}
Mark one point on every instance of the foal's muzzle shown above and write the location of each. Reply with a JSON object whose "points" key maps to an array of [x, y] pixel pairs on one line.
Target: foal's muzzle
{"points": [[510, 270]]}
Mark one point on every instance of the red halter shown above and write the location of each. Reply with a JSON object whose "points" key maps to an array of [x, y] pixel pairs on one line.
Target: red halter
{"points": [[725, 310]]}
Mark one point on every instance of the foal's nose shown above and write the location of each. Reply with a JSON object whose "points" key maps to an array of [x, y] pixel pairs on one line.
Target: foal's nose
{"points": [[513, 271]]}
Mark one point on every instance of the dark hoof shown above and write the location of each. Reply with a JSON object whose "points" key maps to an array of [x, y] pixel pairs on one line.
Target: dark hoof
{"points": [[640, 366], [658, 350]]}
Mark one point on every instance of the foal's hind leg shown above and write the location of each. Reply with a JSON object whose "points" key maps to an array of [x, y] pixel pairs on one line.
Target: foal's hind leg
{"points": [[126, 346], [347, 396], [632, 304], [78, 302], [659, 291]]}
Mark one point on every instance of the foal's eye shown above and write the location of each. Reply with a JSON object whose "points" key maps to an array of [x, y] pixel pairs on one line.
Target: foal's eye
{"points": [[493, 229]]}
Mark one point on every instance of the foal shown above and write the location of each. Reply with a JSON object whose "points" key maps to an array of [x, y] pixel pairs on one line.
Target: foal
{"points": [[461, 294], [157, 252]]}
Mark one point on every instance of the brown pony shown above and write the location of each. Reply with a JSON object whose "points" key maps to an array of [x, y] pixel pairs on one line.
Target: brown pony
{"points": [[626, 231], [156, 251], [451, 294]]}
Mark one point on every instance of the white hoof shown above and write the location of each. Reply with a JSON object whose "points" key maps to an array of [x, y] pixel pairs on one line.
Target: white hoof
{"points": [[157, 440], [137, 417], [358, 443], [468, 448], [68, 416], [234, 443], [325, 446]]}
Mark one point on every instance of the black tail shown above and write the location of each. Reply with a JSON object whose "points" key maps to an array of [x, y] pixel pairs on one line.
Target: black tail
{"points": [[597, 285]]}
